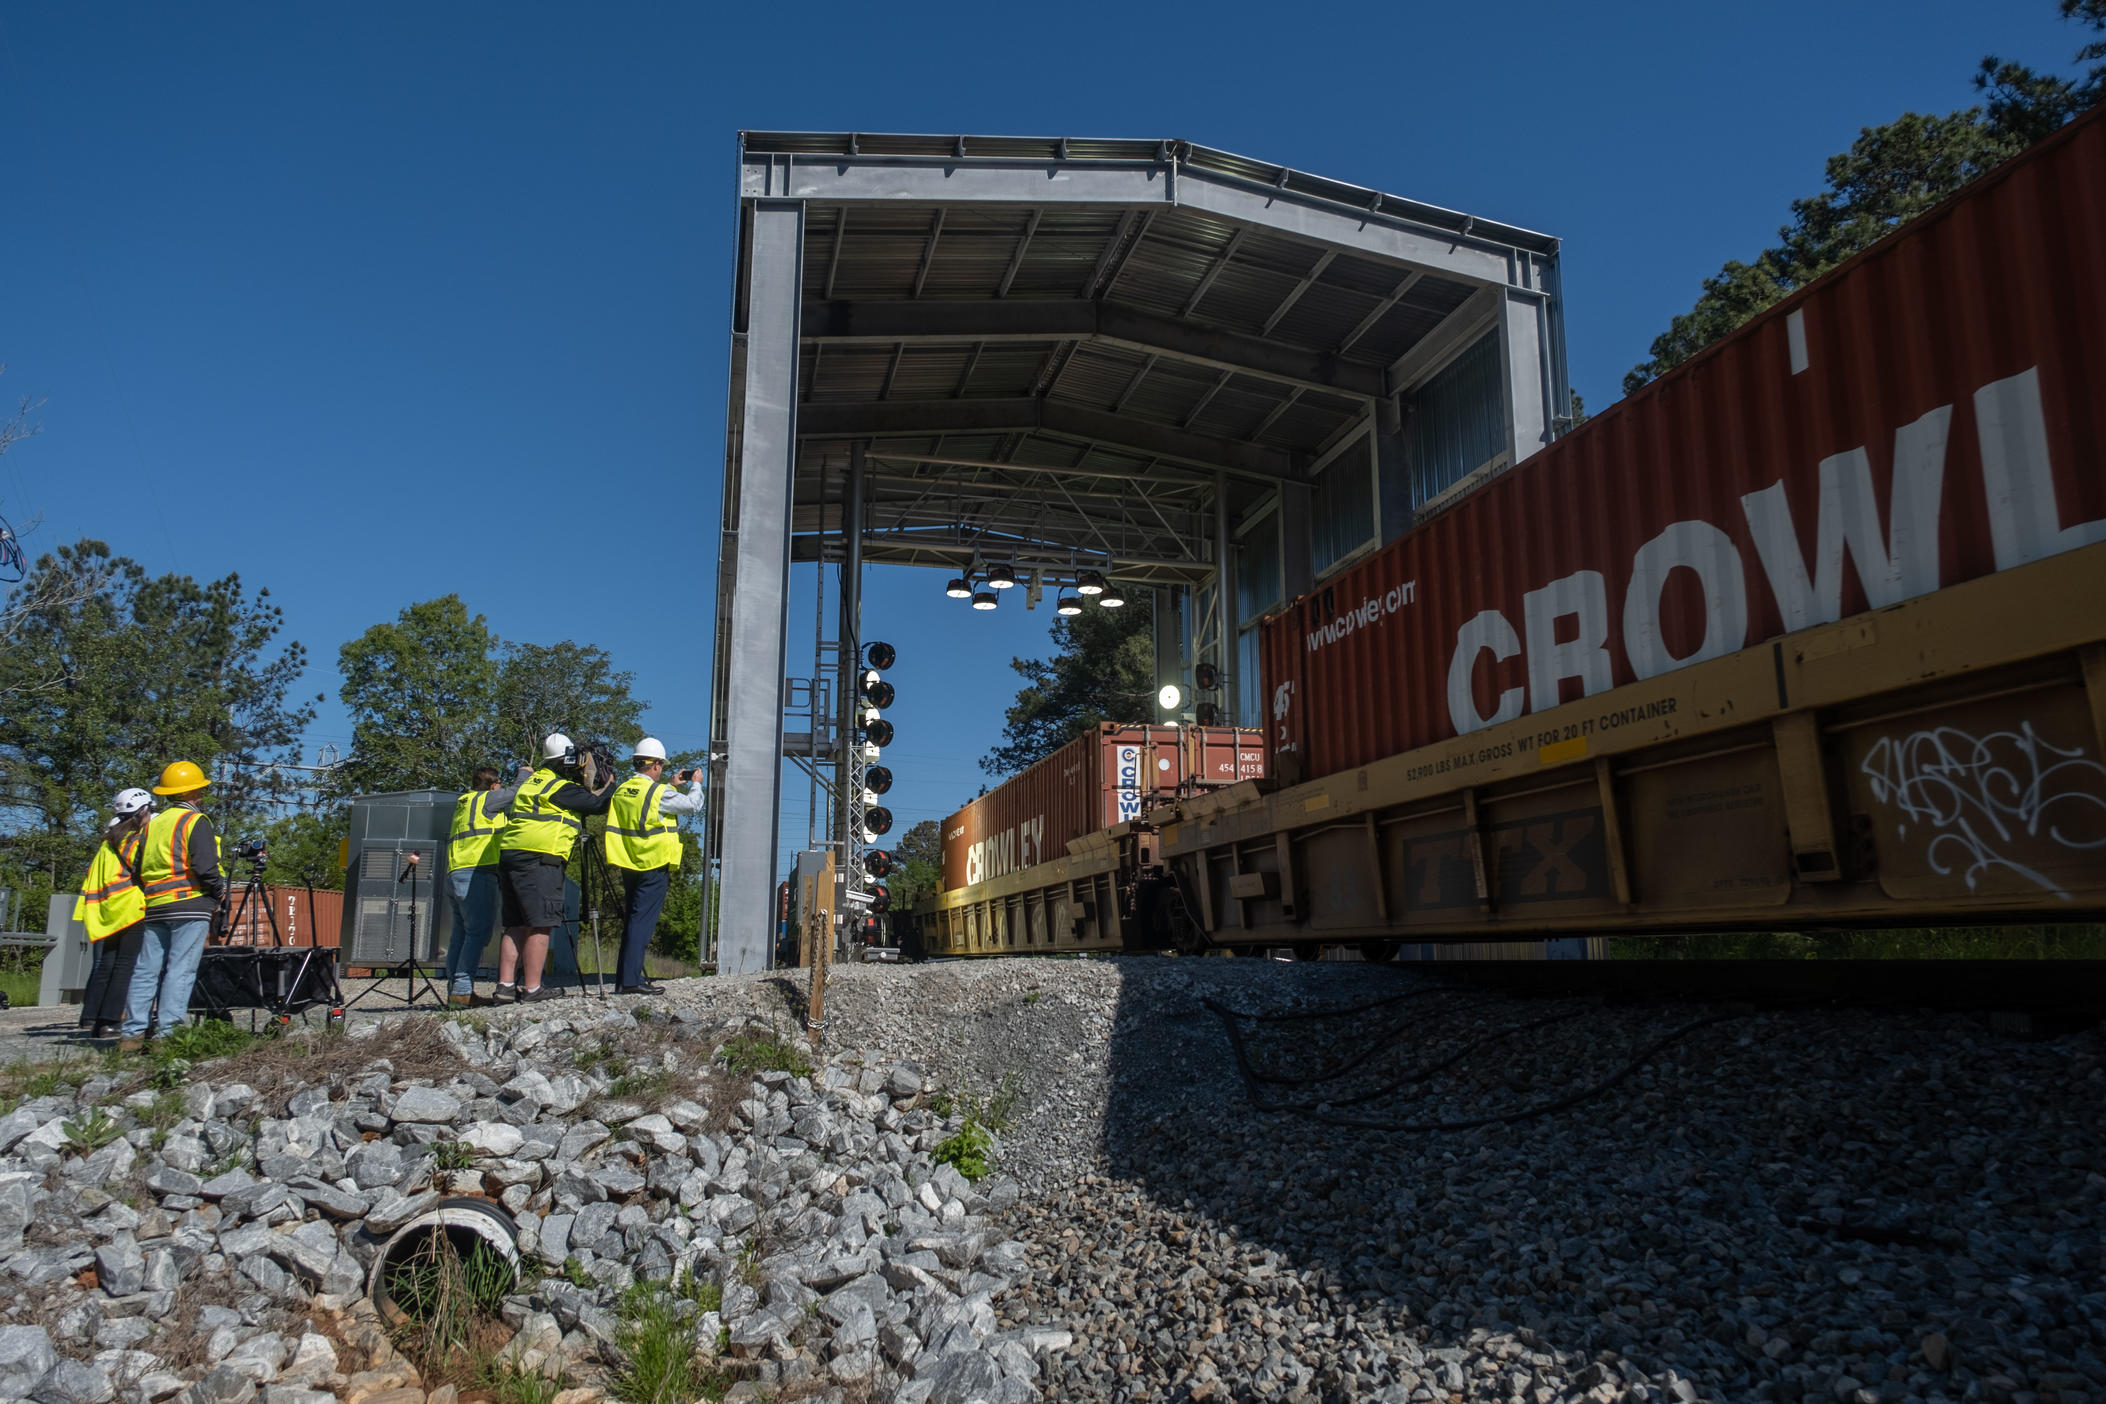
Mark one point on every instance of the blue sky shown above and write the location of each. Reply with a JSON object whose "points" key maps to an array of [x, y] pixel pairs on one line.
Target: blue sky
{"points": [[370, 303]]}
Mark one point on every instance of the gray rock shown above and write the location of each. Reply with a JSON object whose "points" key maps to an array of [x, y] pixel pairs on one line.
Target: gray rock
{"points": [[331, 1200], [398, 1209], [426, 1106], [581, 1138], [75, 1382], [960, 1377], [171, 1181], [220, 1186], [26, 1356], [120, 1267], [222, 1385], [904, 1080], [259, 1358]]}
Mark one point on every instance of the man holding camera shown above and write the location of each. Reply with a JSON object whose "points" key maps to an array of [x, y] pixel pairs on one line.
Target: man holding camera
{"points": [[541, 831], [643, 840], [180, 875]]}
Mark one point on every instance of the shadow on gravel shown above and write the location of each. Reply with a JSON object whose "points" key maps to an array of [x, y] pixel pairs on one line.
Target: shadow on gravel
{"points": [[1836, 1205]]}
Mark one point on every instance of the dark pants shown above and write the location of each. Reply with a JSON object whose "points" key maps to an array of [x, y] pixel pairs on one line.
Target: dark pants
{"points": [[111, 979], [643, 898]]}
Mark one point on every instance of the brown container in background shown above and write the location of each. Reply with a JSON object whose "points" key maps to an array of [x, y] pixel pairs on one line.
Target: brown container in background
{"points": [[1104, 777], [296, 925], [1932, 411]]}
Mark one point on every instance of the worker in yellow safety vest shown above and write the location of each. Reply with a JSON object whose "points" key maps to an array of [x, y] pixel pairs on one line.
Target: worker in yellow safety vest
{"points": [[643, 840], [541, 831], [180, 875], [112, 907], [471, 876]]}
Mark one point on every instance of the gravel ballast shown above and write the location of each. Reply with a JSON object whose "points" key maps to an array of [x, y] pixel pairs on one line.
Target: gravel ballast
{"points": [[1839, 1206]]}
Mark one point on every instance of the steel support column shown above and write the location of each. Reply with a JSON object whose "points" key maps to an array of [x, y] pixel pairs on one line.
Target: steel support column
{"points": [[753, 587], [848, 770], [1225, 616], [1525, 342]]}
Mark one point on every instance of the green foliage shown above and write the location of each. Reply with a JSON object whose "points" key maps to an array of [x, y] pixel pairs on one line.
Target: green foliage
{"points": [[968, 1151], [108, 674], [200, 1039], [1103, 669], [453, 1155], [570, 687], [1890, 174], [422, 694], [647, 1085], [750, 1054], [21, 974], [662, 1359], [304, 848], [93, 1131], [446, 1295], [919, 853], [169, 1075], [574, 1273], [512, 1385], [1034, 997]]}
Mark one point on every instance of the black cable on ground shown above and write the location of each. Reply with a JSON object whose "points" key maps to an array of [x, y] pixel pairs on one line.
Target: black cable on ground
{"points": [[1338, 1070], [1638, 1060]]}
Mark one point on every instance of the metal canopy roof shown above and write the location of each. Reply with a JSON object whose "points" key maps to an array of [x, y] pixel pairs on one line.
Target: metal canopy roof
{"points": [[1060, 354], [1038, 377]]}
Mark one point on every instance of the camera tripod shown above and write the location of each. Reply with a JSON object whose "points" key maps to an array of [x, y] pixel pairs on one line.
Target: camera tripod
{"points": [[594, 881]]}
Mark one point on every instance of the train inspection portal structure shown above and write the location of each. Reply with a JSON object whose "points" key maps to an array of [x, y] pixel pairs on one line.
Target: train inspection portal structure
{"points": [[1193, 373]]}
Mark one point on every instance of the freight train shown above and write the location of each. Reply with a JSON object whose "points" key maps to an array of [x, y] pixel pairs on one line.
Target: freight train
{"points": [[1811, 630]]}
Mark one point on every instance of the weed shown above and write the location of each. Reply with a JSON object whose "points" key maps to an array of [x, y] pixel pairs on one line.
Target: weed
{"points": [[170, 1076], [1033, 997], [943, 1104], [207, 1038], [657, 1337], [967, 1151], [706, 1295], [477, 1022], [450, 1300], [750, 1054], [1001, 1106], [512, 1385], [93, 1131], [166, 1109], [642, 1085], [604, 1055], [748, 1265], [574, 1273], [453, 1155]]}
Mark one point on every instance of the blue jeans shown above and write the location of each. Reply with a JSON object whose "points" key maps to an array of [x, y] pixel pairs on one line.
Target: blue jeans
{"points": [[166, 968], [474, 912], [644, 899]]}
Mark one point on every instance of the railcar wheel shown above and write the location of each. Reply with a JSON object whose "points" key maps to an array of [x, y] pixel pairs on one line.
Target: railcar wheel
{"points": [[1379, 952], [1308, 950]]}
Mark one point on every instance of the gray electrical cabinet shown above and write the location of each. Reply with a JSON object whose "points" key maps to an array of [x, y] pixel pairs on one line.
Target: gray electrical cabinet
{"points": [[385, 830]]}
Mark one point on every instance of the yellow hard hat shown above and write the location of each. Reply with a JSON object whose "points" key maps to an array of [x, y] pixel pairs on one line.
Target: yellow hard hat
{"points": [[180, 779]]}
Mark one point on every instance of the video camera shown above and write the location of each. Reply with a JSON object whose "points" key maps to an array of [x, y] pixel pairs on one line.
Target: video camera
{"points": [[602, 757], [253, 850]]}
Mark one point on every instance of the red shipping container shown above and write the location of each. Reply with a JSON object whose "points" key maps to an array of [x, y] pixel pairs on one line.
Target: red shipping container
{"points": [[296, 925], [1099, 779], [1932, 411]]}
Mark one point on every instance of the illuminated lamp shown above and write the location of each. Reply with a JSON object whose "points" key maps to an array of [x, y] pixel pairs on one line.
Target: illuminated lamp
{"points": [[1067, 604], [1089, 582], [959, 589], [1170, 697], [1112, 598], [1000, 577], [986, 599]]}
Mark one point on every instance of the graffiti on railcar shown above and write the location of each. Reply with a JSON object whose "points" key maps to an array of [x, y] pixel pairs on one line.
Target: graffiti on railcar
{"points": [[1977, 803]]}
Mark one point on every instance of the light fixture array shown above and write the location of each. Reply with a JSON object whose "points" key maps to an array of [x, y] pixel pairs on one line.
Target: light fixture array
{"points": [[982, 584]]}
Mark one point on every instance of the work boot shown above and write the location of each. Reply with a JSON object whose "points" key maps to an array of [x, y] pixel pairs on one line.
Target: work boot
{"points": [[132, 1045], [646, 988], [103, 1030], [461, 999], [538, 993]]}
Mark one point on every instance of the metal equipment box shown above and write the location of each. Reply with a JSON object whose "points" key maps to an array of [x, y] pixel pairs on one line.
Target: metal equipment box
{"points": [[385, 830]]}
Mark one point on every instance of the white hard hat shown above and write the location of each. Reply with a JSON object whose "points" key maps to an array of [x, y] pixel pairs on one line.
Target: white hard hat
{"points": [[650, 748], [131, 801], [555, 747]]}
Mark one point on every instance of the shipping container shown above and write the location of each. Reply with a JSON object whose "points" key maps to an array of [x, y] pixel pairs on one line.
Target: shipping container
{"points": [[1930, 412], [1105, 777], [297, 926]]}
